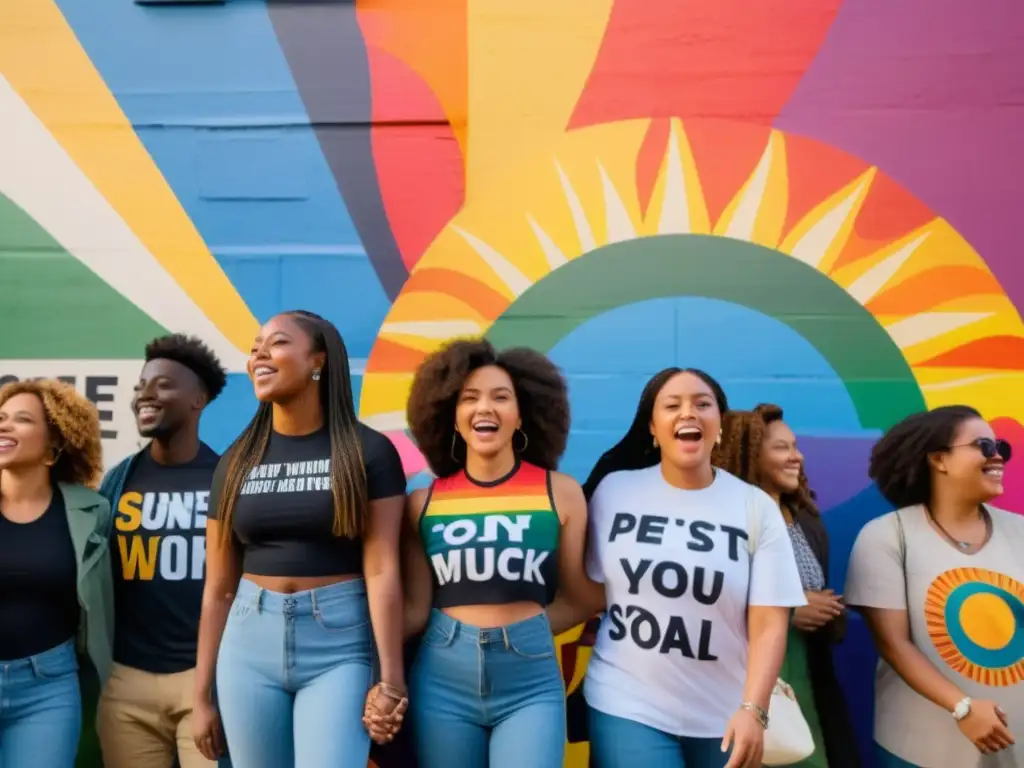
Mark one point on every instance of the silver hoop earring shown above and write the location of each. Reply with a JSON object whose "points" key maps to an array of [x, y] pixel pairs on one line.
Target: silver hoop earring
{"points": [[455, 458], [526, 441], [316, 374]]}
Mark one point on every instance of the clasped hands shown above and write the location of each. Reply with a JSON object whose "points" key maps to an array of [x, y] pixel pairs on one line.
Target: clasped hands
{"points": [[384, 711]]}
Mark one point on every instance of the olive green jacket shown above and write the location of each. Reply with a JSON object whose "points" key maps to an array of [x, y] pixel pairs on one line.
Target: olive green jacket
{"points": [[90, 520]]}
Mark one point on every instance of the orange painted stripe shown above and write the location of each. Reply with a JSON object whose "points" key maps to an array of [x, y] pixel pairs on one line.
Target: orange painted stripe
{"points": [[486, 301], [1002, 353], [392, 357], [929, 289]]}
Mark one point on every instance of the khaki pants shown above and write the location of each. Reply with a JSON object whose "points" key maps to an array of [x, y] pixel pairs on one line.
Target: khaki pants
{"points": [[144, 720]]}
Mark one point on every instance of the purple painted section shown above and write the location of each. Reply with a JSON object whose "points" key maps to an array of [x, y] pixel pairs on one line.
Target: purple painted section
{"points": [[837, 468], [932, 92]]}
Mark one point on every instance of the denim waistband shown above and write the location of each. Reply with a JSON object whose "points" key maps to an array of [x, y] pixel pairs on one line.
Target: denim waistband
{"points": [[298, 603], [33, 662], [459, 631]]}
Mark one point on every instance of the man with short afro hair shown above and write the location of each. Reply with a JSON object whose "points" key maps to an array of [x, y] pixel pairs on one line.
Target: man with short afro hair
{"points": [[160, 497]]}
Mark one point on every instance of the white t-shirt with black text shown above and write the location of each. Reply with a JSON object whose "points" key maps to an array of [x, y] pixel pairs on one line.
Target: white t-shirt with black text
{"points": [[671, 652]]}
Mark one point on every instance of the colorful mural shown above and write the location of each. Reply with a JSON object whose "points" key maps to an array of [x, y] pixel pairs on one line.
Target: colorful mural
{"points": [[815, 200]]}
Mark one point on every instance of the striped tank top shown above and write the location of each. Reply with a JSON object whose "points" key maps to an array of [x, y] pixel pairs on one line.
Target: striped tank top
{"points": [[492, 543]]}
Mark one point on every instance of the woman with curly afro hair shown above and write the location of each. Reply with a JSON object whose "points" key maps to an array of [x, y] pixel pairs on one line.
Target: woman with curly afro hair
{"points": [[496, 562], [56, 587], [940, 582], [759, 447]]}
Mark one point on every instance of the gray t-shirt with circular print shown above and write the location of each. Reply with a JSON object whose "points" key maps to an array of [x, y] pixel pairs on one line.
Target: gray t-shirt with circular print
{"points": [[966, 616]]}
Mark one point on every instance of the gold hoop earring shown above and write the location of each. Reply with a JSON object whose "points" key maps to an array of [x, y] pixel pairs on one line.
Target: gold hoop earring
{"points": [[718, 440], [654, 442], [526, 441], [455, 458]]}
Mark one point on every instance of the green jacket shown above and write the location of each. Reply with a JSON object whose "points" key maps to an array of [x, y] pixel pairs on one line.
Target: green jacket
{"points": [[90, 521]]}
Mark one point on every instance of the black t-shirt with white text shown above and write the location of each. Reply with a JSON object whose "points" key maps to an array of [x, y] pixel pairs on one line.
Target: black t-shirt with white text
{"points": [[283, 516], [160, 562]]}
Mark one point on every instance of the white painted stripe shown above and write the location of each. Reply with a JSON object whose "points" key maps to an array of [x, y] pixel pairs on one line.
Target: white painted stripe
{"points": [[579, 218], [674, 218], [551, 250], [620, 227], [867, 286], [433, 329], [506, 271], [741, 226], [391, 421], [930, 325], [45, 182], [812, 247]]}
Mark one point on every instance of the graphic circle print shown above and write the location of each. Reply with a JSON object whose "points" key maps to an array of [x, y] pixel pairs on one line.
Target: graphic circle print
{"points": [[975, 619]]}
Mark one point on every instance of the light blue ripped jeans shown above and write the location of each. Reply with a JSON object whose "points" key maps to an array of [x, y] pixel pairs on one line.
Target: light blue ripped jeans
{"points": [[292, 676]]}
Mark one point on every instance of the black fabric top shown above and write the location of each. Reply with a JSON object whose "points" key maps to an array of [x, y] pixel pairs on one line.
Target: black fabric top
{"points": [[284, 514], [38, 583]]}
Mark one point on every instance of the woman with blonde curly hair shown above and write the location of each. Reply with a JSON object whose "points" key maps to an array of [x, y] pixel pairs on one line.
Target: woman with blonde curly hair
{"points": [[56, 593], [759, 447]]}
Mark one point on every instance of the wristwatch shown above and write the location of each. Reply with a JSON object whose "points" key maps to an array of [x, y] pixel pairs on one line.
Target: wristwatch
{"points": [[962, 709]]}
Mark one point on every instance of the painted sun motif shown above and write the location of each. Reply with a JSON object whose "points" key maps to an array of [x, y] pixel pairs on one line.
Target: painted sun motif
{"points": [[921, 281], [975, 619]]}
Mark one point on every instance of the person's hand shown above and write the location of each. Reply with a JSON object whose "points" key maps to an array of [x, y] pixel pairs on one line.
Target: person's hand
{"points": [[384, 711], [986, 727], [207, 731], [746, 735], [821, 608]]}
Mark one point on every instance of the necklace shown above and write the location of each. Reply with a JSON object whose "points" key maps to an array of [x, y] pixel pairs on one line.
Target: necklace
{"points": [[964, 545]]}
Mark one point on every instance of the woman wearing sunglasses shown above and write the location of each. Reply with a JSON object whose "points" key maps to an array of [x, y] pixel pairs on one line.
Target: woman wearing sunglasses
{"points": [[941, 584]]}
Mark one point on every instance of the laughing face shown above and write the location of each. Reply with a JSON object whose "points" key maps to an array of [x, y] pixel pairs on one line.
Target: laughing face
{"points": [[780, 460], [166, 397], [282, 361], [686, 421], [965, 463], [487, 412], [24, 432]]}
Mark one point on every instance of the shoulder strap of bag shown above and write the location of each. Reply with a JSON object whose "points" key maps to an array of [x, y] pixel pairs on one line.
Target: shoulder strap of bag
{"points": [[753, 522], [903, 561]]}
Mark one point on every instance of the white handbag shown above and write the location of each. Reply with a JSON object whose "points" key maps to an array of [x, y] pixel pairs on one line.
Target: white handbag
{"points": [[788, 738]]}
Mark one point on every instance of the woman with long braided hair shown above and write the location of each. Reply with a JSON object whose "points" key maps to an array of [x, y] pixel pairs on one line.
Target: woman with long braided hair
{"points": [[759, 447]]}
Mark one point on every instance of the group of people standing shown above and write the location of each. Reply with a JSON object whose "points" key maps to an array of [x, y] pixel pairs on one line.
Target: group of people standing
{"points": [[253, 608]]}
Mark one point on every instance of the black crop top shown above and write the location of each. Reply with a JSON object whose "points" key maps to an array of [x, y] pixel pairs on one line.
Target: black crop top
{"points": [[283, 517], [38, 583]]}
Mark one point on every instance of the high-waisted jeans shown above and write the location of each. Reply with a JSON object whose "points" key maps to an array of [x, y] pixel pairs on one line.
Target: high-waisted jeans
{"points": [[40, 709], [292, 676], [487, 697]]}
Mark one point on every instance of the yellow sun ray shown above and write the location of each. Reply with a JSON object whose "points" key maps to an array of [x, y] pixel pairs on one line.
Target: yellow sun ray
{"points": [[819, 237], [757, 212], [677, 204], [871, 275]]}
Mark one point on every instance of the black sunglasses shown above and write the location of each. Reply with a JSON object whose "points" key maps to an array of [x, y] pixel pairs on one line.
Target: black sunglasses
{"points": [[989, 448]]}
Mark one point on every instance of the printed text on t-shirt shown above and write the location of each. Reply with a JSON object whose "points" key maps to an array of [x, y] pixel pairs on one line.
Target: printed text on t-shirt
{"points": [[289, 477], [672, 580]]}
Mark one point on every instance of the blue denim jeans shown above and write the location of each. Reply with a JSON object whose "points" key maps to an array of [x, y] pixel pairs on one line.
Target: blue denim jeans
{"points": [[40, 709], [616, 742], [487, 697], [292, 676]]}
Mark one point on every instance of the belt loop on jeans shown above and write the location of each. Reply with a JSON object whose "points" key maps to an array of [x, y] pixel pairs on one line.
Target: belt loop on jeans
{"points": [[259, 599], [312, 600], [504, 637]]}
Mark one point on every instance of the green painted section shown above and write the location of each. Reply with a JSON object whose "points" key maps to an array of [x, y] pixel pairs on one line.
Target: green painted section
{"points": [[877, 377], [54, 307]]}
